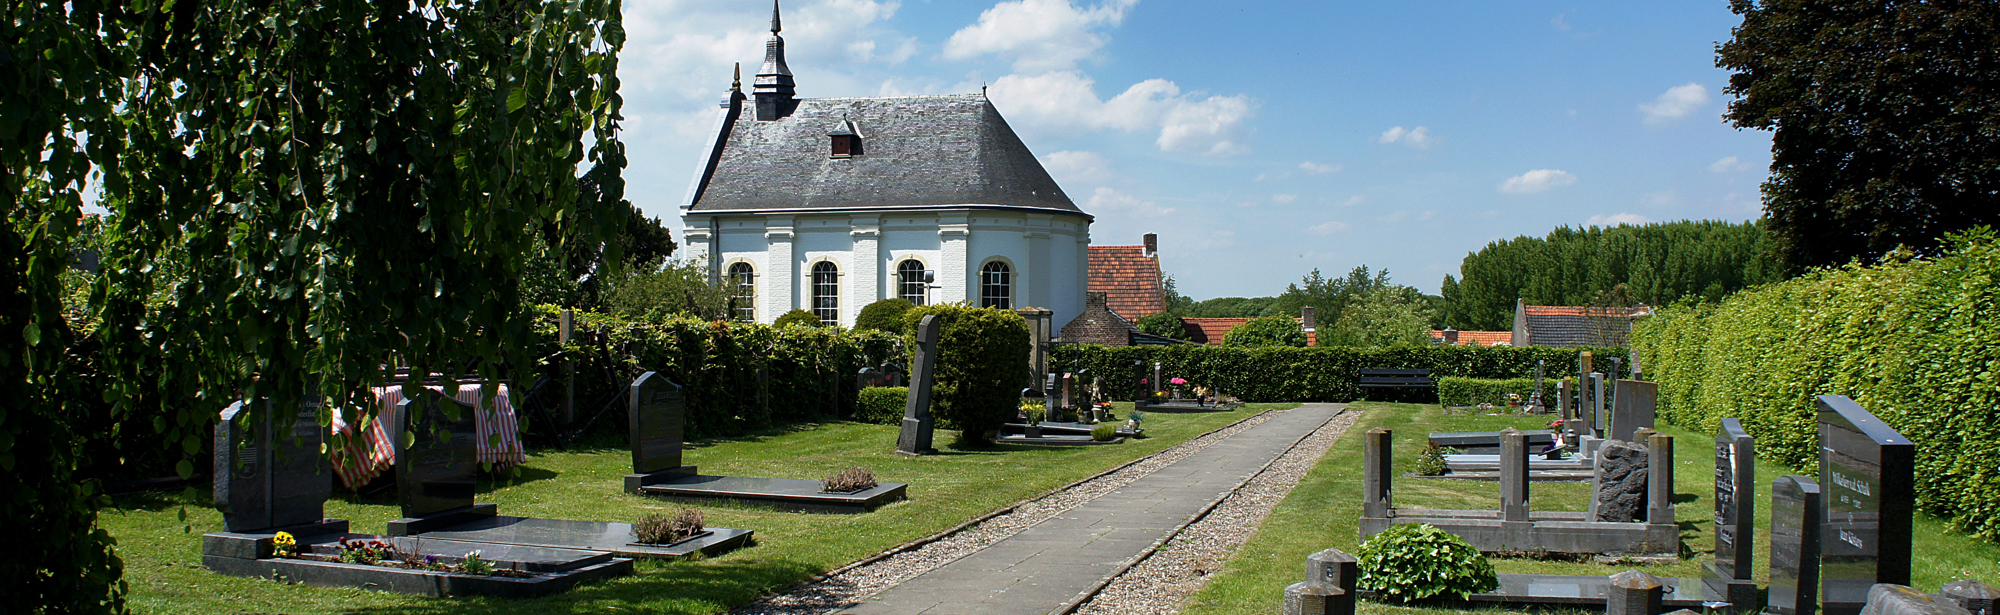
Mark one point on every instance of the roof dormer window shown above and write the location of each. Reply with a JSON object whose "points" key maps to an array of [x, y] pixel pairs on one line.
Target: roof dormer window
{"points": [[846, 139]]}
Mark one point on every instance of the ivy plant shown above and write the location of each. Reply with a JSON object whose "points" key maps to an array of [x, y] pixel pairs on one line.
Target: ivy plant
{"points": [[1414, 561]]}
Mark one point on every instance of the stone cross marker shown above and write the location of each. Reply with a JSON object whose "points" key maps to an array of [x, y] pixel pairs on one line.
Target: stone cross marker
{"points": [[1795, 509], [1632, 408], [1868, 478], [435, 472], [1735, 512], [915, 439], [273, 479]]}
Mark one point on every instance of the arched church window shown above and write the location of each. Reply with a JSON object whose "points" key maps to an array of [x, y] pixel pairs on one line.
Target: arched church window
{"points": [[996, 286], [910, 282], [744, 291], [826, 292]]}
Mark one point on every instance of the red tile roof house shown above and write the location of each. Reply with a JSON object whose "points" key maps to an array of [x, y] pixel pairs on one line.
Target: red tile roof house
{"points": [[1564, 325], [1125, 285], [1452, 337]]}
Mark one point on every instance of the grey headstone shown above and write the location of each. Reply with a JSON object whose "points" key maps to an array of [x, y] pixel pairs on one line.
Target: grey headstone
{"points": [[1634, 593], [1375, 473], [1735, 500], [915, 437], [1633, 408], [1328, 588], [1620, 485], [1660, 480], [1795, 534], [437, 455], [265, 478], [1597, 419], [657, 411], [1513, 475], [1867, 471], [869, 377], [1971, 595], [1893, 599], [1563, 410]]}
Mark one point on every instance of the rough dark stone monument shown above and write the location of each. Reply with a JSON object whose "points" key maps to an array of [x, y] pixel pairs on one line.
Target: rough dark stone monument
{"points": [[656, 410], [1868, 474], [1634, 593], [915, 438], [1893, 599], [1795, 533], [265, 478], [436, 463], [1972, 595], [1619, 490], [1632, 408], [1329, 585], [1735, 516]]}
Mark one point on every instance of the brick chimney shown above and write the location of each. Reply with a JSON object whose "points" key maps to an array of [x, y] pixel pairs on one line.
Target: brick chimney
{"points": [[1450, 336], [1152, 245], [1306, 318]]}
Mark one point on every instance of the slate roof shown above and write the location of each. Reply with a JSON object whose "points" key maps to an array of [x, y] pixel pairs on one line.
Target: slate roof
{"points": [[1129, 278], [1561, 325], [915, 151]]}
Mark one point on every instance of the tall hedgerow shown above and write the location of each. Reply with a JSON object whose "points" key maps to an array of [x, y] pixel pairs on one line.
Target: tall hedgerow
{"points": [[1913, 342], [982, 364]]}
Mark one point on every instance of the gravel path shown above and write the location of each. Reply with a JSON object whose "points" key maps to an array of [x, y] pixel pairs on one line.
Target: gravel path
{"points": [[852, 585], [1160, 584]]}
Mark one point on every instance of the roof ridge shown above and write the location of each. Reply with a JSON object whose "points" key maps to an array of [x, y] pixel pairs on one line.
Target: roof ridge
{"points": [[903, 97]]}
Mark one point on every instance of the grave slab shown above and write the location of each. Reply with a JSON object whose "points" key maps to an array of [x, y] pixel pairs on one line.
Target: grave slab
{"points": [[781, 493], [1490, 439], [613, 538], [1056, 440]]}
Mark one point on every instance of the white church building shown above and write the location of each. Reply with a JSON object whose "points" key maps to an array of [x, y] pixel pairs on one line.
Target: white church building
{"points": [[829, 204]]}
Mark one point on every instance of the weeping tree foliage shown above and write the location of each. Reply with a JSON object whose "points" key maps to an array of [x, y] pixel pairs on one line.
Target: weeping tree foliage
{"points": [[301, 194]]}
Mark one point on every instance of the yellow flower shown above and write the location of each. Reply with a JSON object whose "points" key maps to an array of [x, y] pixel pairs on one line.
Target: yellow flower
{"points": [[285, 544], [285, 539]]}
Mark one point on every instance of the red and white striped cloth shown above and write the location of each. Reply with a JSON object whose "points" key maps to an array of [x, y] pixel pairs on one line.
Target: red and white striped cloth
{"points": [[372, 452]]}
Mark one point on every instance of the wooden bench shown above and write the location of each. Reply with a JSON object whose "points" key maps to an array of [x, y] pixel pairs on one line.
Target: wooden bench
{"points": [[1396, 379]]}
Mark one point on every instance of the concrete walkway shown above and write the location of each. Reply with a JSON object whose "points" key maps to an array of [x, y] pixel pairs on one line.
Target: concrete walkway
{"points": [[1046, 566]]}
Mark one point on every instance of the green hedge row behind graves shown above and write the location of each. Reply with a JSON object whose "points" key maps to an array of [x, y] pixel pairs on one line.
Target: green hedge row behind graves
{"points": [[1318, 374], [1456, 391], [1917, 343]]}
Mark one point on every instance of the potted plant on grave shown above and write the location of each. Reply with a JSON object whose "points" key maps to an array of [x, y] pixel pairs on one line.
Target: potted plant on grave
{"points": [[1514, 401], [1033, 413], [660, 529], [852, 480], [1177, 381]]}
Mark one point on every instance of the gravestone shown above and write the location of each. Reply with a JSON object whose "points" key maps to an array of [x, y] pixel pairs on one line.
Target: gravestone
{"points": [[1893, 599], [1597, 414], [915, 438], [869, 377], [1632, 408], [1535, 402], [1329, 588], [437, 457], [1634, 593], [656, 409], [1795, 534], [1735, 516], [1971, 595], [1619, 488], [1140, 392], [1158, 385], [892, 374], [1513, 476], [267, 478], [1868, 477], [1563, 407], [1068, 391], [1375, 473]]}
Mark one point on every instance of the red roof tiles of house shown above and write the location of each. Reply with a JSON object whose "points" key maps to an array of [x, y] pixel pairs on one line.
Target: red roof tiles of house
{"points": [[1479, 338], [1209, 330], [1129, 278], [1577, 310]]}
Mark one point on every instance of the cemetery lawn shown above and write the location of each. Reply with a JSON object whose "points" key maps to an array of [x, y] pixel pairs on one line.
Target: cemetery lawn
{"points": [[162, 552], [1322, 512]]}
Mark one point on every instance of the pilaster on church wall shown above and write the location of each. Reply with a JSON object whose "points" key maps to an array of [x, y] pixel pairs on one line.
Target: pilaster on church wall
{"points": [[865, 232], [1040, 261], [778, 285], [953, 278]]}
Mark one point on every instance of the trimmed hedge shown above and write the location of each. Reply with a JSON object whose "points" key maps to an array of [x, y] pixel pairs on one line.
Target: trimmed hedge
{"points": [[1915, 343], [1318, 374], [982, 364], [1457, 391], [809, 371], [883, 405]]}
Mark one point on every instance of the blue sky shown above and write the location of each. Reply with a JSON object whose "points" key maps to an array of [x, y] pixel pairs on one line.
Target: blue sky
{"points": [[1262, 139]]}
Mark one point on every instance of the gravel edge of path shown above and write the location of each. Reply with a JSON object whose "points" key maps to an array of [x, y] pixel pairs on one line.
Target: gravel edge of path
{"points": [[851, 584], [1161, 582]]}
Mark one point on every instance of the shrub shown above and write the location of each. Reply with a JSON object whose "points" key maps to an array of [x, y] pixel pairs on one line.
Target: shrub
{"points": [[1456, 391], [796, 318], [1321, 374], [1416, 561], [660, 529], [475, 564], [982, 363], [1431, 461], [1104, 433], [1163, 325], [1913, 342], [1277, 330], [885, 315], [883, 405], [848, 481]]}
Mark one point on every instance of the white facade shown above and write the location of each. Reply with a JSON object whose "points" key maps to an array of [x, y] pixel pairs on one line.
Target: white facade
{"points": [[1045, 254]]}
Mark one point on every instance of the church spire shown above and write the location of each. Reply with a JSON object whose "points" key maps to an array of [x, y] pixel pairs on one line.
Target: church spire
{"points": [[775, 89], [774, 17]]}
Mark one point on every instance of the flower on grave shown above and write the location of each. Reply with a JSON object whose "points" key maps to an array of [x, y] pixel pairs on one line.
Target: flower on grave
{"points": [[1513, 398], [1177, 381], [285, 544]]}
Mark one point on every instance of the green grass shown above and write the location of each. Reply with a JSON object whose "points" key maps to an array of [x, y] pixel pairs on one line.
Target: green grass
{"points": [[162, 553], [1322, 512]]}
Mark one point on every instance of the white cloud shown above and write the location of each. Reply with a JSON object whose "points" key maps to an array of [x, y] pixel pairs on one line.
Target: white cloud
{"points": [[1538, 180], [1617, 219], [1317, 168], [1353, 200], [1726, 165], [1419, 137], [1284, 198], [1106, 200], [1560, 22], [1039, 35], [1068, 101], [1074, 167], [1676, 103], [1660, 200], [1328, 228]]}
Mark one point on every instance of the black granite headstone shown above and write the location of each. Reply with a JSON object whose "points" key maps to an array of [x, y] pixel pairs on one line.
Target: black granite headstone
{"points": [[918, 422], [1867, 470], [265, 478], [436, 454], [1795, 533], [1735, 514], [657, 412]]}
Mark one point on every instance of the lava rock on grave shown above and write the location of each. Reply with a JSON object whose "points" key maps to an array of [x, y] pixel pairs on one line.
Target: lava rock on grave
{"points": [[1620, 487], [1891, 599], [1971, 595]]}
